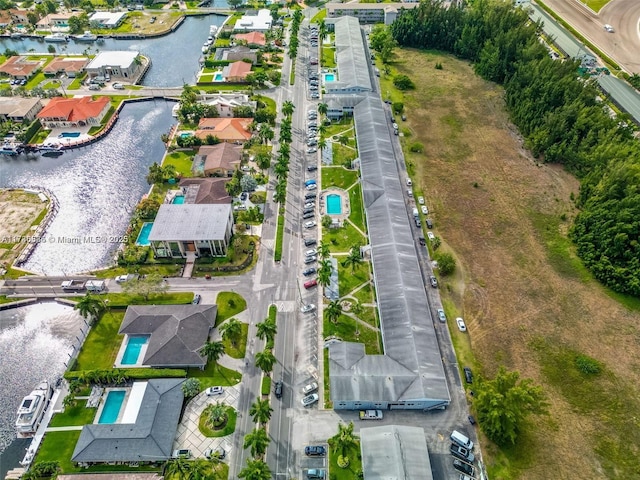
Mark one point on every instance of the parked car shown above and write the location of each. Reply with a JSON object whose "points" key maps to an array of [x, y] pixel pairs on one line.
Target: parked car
{"points": [[433, 281], [429, 223], [463, 467], [315, 96], [461, 326], [312, 387], [312, 150], [118, 86], [277, 389], [196, 299], [313, 186], [309, 225], [211, 391], [431, 236], [421, 200], [311, 251], [308, 401], [441, 315], [468, 376], [310, 259], [310, 209], [409, 192], [243, 196], [408, 180], [309, 196], [312, 168], [424, 209], [219, 453], [308, 308], [310, 284], [181, 453], [315, 451], [308, 215], [315, 473], [309, 271], [309, 242]]}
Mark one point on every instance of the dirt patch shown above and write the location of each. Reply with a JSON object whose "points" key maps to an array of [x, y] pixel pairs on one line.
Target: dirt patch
{"points": [[18, 210], [519, 286]]}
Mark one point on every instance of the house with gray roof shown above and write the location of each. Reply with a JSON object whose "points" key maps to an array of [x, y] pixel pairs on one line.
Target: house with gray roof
{"points": [[394, 452], [191, 230], [176, 333], [351, 58], [148, 438]]}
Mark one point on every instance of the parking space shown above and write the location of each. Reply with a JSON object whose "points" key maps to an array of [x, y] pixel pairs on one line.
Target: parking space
{"points": [[314, 457]]}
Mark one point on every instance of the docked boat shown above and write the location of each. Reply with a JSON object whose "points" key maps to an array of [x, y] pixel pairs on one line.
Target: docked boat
{"points": [[17, 35], [205, 49], [87, 36], [50, 150], [213, 29], [56, 37], [32, 409]]}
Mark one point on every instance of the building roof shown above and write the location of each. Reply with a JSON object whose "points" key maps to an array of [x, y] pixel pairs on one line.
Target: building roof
{"points": [[227, 129], [252, 38], [352, 59], [239, 69], [149, 439], [394, 452], [19, 66], [226, 156], [338, 102], [261, 21], [17, 106], [107, 18], [387, 7], [51, 17], [73, 109], [411, 368], [176, 332], [111, 476], [189, 222], [230, 100], [66, 64], [205, 190], [122, 59]]}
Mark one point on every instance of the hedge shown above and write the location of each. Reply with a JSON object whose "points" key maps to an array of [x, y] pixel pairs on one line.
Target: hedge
{"points": [[266, 385], [133, 373], [32, 130], [277, 253]]}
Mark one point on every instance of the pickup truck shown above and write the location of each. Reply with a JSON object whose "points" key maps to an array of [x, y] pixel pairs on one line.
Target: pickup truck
{"points": [[73, 285], [371, 415]]}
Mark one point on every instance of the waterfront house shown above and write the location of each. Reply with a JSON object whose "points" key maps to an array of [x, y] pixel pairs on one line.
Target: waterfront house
{"points": [[234, 130], [254, 22], [20, 67], [219, 160], [69, 66], [13, 16], [56, 21], [144, 431], [19, 109], [107, 19], [117, 64], [63, 112], [174, 334], [190, 230], [205, 190], [252, 38], [236, 71], [239, 52], [226, 102]]}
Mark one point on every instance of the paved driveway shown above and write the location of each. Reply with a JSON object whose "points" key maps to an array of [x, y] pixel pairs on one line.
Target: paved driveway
{"points": [[189, 435]]}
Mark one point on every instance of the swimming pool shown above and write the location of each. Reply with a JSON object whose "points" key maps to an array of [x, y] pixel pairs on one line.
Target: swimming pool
{"points": [[132, 350], [69, 135], [218, 77], [112, 405], [143, 237], [186, 135], [329, 77], [178, 199], [334, 204]]}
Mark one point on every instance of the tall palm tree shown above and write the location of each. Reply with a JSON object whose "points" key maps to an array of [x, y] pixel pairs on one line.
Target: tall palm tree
{"points": [[322, 144], [353, 259], [255, 470], [281, 170], [215, 414], [257, 440], [285, 150], [344, 440], [280, 194], [334, 310], [231, 330], [267, 330], [323, 249], [213, 351], [323, 108], [287, 108], [265, 134], [261, 411], [177, 468], [324, 273], [265, 361], [90, 307]]}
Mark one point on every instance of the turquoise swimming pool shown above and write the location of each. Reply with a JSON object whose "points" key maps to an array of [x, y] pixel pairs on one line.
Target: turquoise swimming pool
{"points": [[178, 199], [132, 350], [218, 77], [334, 204], [329, 77], [69, 135], [143, 236], [186, 135], [112, 405]]}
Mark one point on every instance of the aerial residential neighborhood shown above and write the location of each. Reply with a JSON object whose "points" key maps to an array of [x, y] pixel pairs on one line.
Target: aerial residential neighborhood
{"points": [[319, 240]]}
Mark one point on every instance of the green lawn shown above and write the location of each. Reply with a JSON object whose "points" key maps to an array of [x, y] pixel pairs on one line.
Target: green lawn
{"points": [[348, 280], [228, 429], [77, 82], [595, 5], [265, 389], [164, 269], [349, 473], [357, 208], [328, 57], [229, 304], [338, 177], [239, 350], [214, 375], [365, 294], [269, 103], [100, 348], [78, 415], [58, 447], [342, 155], [182, 162], [342, 239], [35, 81], [126, 299], [344, 126], [345, 329], [319, 16]]}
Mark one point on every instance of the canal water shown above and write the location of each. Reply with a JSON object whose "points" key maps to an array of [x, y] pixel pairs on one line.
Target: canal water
{"points": [[175, 57], [35, 344]]}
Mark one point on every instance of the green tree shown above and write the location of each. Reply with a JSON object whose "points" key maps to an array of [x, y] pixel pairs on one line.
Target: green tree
{"points": [[148, 207], [258, 441], [403, 82], [90, 307], [353, 259], [343, 441], [255, 469], [215, 415], [280, 194], [265, 134], [231, 330], [147, 286], [323, 108], [248, 183], [213, 351], [324, 250], [324, 273], [333, 311], [382, 42], [263, 160], [287, 108], [265, 361], [504, 403], [78, 24], [260, 411], [446, 263], [155, 175], [178, 468], [266, 330], [191, 387]]}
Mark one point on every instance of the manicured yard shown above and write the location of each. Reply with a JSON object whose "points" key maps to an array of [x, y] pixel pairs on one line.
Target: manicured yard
{"points": [[77, 82], [357, 208], [365, 294], [343, 155], [319, 16], [342, 239], [219, 471], [58, 447], [229, 304], [101, 346], [349, 473], [228, 429], [214, 375], [182, 162], [345, 329], [78, 415], [338, 177], [240, 349], [348, 280], [169, 298], [328, 58], [266, 385]]}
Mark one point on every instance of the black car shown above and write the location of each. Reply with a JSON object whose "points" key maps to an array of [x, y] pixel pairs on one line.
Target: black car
{"points": [[308, 242], [433, 281], [315, 451], [312, 168], [308, 210], [309, 196], [243, 196], [463, 467], [277, 390], [308, 215], [468, 376], [309, 271]]}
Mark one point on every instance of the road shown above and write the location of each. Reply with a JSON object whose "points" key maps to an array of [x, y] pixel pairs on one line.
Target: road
{"points": [[623, 15]]}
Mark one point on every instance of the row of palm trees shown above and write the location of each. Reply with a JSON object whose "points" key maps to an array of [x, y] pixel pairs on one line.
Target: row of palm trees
{"points": [[281, 169]]}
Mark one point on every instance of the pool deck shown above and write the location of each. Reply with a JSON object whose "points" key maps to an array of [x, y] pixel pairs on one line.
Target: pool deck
{"points": [[123, 347], [344, 203], [54, 137]]}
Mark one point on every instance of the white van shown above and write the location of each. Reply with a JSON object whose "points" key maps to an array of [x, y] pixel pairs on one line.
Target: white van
{"points": [[415, 213], [461, 439]]}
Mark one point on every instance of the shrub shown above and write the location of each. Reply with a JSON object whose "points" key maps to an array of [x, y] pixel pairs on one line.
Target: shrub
{"points": [[191, 387], [416, 147], [403, 82], [446, 263], [588, 365]]}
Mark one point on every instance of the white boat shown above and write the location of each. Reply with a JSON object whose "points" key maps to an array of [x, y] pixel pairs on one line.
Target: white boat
{"points": [[32, 410], [56, 37], [174, 110], [205, 49], [213, 29], [16, 35], [87, 36], [10, 149]]}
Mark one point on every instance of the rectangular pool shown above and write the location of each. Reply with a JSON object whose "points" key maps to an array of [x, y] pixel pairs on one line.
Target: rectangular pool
{"points": [[132, 350], [143, 236], [329, 77], [178, 199], [334, 204], [112, 405]]}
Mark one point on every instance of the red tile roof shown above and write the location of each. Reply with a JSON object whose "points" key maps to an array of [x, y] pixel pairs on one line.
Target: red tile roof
{"points": [[225, 128], [238, 69], [74, 109], [252, 38], [66, 64], [19, 66]]}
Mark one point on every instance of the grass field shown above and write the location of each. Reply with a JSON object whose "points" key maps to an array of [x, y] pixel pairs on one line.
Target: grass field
{"points": [[527, 301], [595, 5]]}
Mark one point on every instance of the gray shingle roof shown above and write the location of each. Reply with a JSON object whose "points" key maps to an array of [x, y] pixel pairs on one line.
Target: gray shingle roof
{"points": [[190, 222], [150, 438], [177, 332], [353, 66]]}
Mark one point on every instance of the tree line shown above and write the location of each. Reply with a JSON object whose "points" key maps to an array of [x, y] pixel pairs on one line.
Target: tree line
{"points": [[561, 118]]}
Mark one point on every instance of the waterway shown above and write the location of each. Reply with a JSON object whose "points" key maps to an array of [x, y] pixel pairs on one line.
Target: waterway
{"points": [[35, 344], [175, 57], [97, 188]]}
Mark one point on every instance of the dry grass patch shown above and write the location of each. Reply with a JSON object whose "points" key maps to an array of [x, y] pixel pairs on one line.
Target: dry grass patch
{"points": [[526, 299], [18, 210]]}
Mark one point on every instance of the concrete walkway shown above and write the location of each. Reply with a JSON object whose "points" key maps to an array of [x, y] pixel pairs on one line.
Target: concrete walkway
{"points": [[64, 429]]}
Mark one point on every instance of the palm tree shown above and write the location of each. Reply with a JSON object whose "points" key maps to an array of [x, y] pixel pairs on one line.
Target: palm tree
{"points": [[334, 310], [285, 150], [287, 108], [265, 134], [263, 160], [177, 468], [323, 108], [322, 144], [231, 330], [324, 273], [267, 330], [324, 251], [281, 170], [255, 470], [265, 361], [215, 414], [261, 411], [280, 194], [322, 129], [343, 441], [257, 440], [213, 351], [353, 259], [90, 307]]}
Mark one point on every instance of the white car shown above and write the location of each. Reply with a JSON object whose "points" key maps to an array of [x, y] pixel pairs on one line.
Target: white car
{"points": [[313, 186], [312, 387], [310, 252], [310, 224], [117, 86], [424, 209], [421, 200], [461, 326], [308, 308], [310, 400], [441, 315], [431, 236], [609, 28], [211, 391]]}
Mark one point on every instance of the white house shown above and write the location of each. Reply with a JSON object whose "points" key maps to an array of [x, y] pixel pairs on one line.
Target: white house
{"points": [[255, 23], [122, 64], [107, 19]]}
